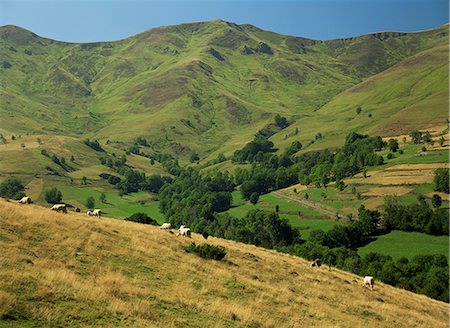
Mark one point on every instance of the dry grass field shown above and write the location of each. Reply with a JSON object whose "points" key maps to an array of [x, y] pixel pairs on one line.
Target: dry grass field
{"points": [[72, 270]]}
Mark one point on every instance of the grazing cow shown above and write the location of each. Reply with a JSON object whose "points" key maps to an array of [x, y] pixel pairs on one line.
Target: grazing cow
{"points": [[90, 213], [97, 212], [183, 231], [25, 200], [369, 281], [166, 226], [77, 209], [315, 264], [59, 208]]}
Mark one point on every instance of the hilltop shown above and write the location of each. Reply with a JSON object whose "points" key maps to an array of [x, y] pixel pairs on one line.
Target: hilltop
{"points": [[72, 269]]}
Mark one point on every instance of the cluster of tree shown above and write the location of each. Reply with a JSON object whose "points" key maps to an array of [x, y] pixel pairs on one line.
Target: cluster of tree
{"points": [[113, 161], [112, 179], [134, 180], [94, 144], [415, 217], [167, 161], [195, 197], [58, 161], [256, 150], [320, 167], [12, 188]]}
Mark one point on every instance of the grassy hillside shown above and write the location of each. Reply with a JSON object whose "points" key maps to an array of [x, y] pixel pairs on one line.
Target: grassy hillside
{"points": [[202, 87], [74, 270]]}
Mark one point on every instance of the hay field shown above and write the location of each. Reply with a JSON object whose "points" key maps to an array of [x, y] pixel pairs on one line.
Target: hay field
{"points": [[61, 270]]}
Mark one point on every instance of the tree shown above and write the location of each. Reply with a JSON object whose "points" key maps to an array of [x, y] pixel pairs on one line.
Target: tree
{"points": [[194, 157], [90, 202], [53, 196], [358, 110], [12, 188], [436, 201], [416, 136], [281, 121], [441, 180], [393, 145], [427, 137], [102, 197], [254, 197], [72, 159]]}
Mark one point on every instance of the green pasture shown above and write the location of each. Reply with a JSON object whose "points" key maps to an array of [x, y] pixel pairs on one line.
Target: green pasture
{"points": [[408, 244], [115, 206], [304, 218]]}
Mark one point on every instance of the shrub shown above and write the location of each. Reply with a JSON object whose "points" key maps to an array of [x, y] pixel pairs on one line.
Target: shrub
{"points": [[90, 202], [12, 188], [441, 180], [141, 218], [53, 196], [207, 251]]}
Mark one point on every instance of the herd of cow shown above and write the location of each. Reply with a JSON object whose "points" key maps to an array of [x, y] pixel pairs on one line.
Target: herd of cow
{"points": [[369, 281]]}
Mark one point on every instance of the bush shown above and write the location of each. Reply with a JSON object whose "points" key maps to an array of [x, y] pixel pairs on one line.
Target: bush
{"points": [[441, 180], [141, 218], [53, 196], [207, 251], [12, 188], [90, 202]]}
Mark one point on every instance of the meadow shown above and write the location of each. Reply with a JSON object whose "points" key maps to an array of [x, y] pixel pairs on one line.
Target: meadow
{"points": [[302, 217], [407, 244]]}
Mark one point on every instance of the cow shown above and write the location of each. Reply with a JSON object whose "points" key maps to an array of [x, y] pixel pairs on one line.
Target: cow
{"points": [[315, 264], [97, 213], [25, 200], [166, 226], [59, 208], [77, 209], [183, 231], [89, 213], [369, 281]]}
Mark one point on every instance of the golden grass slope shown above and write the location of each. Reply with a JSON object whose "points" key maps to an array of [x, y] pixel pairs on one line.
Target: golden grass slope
{"points": [[73, 270]]}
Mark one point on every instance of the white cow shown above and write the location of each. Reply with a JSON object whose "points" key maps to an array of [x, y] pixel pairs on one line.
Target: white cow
{"points": [[25, 200], [59, 208], [166, 226], [89, 213], [183, 231], [369, 281], [97, 212]]}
